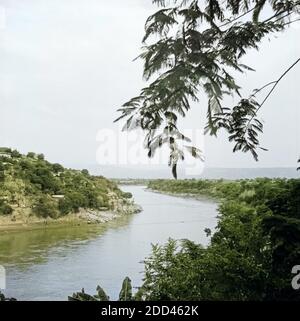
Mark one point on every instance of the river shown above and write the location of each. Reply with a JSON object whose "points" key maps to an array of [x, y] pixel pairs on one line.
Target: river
{"points": [[52, 264]]}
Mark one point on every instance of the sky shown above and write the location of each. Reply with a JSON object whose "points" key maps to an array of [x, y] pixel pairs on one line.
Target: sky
{"points": [[66, 66]]}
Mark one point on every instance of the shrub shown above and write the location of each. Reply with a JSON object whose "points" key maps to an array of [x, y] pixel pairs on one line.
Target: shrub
{"points": [[46, 207], [5, 209], [127, 195], [31, 155], [16, 154], [65, 205]]}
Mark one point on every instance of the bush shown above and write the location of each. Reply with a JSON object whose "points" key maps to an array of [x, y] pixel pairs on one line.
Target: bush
{"points": [[46, 207], [31, 155], [57, 168], [40, 157], [5, 209], [2, 176], [16, 154], [85, 172], [127, 195], [65, 206]]}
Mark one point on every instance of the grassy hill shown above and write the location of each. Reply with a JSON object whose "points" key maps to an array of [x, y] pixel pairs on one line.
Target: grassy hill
{"points": [[33, 189]]}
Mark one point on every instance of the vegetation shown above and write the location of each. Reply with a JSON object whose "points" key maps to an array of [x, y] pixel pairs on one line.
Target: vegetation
{"points": [[3, 298], [5, 209], [50, 190], [132, 181], [252, 252], [192, 46], [125, 294]]}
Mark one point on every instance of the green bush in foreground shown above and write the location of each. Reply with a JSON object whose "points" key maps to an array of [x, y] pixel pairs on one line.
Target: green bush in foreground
{"points": [[125, 294], [3, 298]]}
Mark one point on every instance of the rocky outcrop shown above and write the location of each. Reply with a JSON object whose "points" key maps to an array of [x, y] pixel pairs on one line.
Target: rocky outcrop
{"points": [[121, 207]]}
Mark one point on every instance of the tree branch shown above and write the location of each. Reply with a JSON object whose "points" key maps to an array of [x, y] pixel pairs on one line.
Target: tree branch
{"points": [[238, 17], [275, 84]]}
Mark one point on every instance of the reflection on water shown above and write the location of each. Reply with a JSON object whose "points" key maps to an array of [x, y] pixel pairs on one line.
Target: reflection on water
{"points": [[52, 264], [20, 249]]}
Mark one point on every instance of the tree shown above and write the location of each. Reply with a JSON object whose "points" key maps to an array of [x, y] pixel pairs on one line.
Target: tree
{"points": [[16, 154], [45, 207], [31, 155], [65, 205], [2, 173], [77, 200], [40, 156], [85, 172], [199, 44], [5, 209], [57, 168]]}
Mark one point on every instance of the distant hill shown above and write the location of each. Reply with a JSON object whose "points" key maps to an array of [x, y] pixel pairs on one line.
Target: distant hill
{"points": [[163, 171], [33, 189]]}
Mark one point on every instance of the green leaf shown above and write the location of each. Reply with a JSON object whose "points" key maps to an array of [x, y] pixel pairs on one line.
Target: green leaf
{"points": [[126, 291]]}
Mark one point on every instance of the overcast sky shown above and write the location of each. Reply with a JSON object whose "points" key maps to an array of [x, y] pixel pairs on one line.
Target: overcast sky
{"points": [[67, 65]]}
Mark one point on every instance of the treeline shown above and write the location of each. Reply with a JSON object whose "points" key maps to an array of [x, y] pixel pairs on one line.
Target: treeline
{"points": [[252, 252], [50, 190], [219, 189]]}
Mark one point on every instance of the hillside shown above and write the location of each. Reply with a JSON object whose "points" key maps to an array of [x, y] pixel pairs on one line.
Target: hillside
{"points": [[33, 190]]}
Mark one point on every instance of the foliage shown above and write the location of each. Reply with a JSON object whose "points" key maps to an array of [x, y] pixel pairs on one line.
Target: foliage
{"points": [[2, 176], [31, 155], [5, 209], [5, 150], [33, 182], [125, 294], [16, 154], [126, 291], [45, 207], [192, 46], [3, 298], [85, 172], [40, 157], [57, 168], [127, 195], [251, 254]]}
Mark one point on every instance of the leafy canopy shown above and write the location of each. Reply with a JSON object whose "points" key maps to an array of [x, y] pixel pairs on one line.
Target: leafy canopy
{"points": [[192, 45]]}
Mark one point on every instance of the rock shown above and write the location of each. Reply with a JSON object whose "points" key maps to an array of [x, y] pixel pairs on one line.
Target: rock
{"points": [[100, 216]]}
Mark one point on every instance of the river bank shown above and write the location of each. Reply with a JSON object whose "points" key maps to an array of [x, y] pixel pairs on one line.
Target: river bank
{"points": [[82, 218]]}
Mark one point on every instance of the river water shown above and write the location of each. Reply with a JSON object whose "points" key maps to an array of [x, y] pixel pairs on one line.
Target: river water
{"points": [[52, 264]]}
